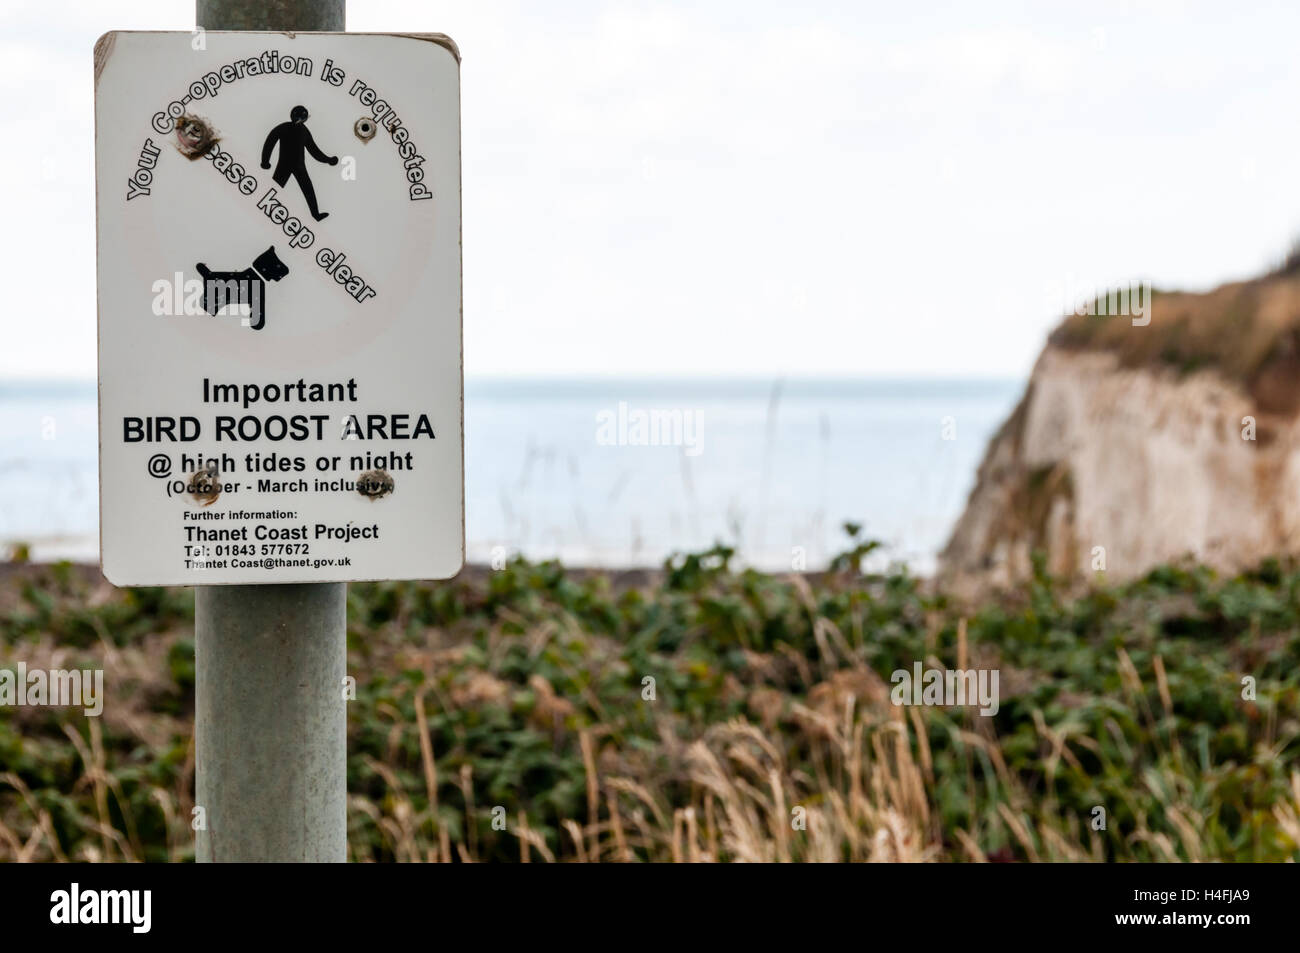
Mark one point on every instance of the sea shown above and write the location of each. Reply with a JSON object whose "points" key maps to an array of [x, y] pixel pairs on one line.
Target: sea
{"points": [[618, 472]]}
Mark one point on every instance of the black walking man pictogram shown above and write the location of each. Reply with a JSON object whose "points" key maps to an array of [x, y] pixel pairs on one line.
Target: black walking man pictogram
{"points": [[293, 137]]}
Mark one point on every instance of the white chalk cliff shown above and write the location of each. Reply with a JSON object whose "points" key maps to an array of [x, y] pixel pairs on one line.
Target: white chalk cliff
{"points": [[1129, 451]]}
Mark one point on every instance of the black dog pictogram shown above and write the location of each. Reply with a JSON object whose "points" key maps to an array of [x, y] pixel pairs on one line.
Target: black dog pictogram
{"points": [[294, 137], [221, 288]]}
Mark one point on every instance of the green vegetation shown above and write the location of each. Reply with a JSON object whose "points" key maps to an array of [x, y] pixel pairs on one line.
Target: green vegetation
{"points": [[524, 696], [1245, 331]]}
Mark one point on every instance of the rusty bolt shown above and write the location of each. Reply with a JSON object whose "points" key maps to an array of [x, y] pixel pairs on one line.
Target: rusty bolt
{"points": [[365, 128]]}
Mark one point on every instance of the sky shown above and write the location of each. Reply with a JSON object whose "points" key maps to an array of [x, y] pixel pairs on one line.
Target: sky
{"points": [[754, 188]]}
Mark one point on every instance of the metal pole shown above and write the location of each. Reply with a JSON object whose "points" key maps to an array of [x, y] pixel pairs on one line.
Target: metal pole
{"points": [[290, 16], [270, 721]]}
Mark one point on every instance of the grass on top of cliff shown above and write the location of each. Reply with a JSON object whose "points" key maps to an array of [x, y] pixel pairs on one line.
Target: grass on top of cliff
{"points": [[1248, 331], [706, 713]]}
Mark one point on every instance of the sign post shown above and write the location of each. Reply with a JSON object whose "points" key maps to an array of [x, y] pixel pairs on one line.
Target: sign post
{"points": [[280, 373]]}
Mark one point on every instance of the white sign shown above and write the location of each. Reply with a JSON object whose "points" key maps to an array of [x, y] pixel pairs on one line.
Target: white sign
{"points": [[280, 389]]}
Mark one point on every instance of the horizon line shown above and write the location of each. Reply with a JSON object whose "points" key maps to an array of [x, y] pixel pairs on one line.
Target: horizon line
{"points": [[586, 376]]}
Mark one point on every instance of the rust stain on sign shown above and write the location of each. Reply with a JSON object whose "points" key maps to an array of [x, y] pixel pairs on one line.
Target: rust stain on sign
{"points": [[103, 50], [194, 136], [204, 485], [375, 484], [441, 39]]}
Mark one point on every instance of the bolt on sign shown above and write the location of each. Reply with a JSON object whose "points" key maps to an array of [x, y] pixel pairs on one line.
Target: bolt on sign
{"points": [[280, 375]]}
